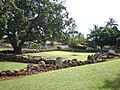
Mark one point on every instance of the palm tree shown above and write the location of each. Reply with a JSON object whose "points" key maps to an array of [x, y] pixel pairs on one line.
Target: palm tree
{"points": [[111, 23], [95, 35]]}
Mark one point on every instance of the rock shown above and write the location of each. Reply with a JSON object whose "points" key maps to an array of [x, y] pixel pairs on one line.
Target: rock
{"points": [[3, 73], [58, 61], [90, 58], [118, 55], [41, 63], [29, 65], [10, 72], [111, 52], [74, 59]]}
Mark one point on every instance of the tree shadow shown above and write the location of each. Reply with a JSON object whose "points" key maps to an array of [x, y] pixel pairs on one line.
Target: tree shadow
{"points": [[112, 84]]}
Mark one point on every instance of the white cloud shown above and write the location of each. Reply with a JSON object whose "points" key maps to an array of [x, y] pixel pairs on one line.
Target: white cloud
{"points": [[89, 12]]}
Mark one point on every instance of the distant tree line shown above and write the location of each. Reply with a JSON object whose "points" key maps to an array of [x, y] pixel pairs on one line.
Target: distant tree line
{"points": [[105, 35]]}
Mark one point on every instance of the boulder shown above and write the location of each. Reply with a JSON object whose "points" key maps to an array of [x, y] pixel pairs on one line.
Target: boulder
{"points": [[58, 61], [41, 63], [111, 52]]}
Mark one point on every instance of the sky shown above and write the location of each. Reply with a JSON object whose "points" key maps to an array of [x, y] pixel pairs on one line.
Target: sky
{"points": [[86, 13]]}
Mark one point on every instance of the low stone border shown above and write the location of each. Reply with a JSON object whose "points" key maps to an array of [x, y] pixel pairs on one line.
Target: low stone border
{"points": [[24, 59], [47, 65], [31, 69], [27, 51]]}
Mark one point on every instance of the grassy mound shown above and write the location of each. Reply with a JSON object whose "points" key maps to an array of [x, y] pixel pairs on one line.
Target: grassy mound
{"points": [[100, 76]]}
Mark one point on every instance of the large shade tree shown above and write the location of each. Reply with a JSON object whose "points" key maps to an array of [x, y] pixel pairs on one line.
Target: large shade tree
{"points": [[28, 20]]}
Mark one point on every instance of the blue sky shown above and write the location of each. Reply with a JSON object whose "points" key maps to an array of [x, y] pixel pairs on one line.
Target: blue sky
{"points": [[89, 12]]}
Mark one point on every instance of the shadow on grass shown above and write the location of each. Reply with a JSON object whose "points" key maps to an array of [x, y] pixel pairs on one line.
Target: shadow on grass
{"points": [[112, 84]]}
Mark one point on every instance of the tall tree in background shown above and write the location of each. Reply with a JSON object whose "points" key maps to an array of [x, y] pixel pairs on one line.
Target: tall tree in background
{"points": [[111, 23], [28, 20], [95, 35], [104, 35]]}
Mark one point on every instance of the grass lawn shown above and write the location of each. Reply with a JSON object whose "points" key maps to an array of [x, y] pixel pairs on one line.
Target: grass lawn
{"points": [[65, 55], [11, 65], [100, 76], [1, 49]]}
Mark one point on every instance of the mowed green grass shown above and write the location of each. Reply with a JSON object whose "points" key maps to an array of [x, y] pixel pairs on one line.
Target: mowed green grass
{"points": [[65, 55], [100, 76], [53, 55], [1, 49], [11, 65]]}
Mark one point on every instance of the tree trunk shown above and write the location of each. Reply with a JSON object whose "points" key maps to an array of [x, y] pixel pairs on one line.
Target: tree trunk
{"points": [[18, 50], [14, 42]]}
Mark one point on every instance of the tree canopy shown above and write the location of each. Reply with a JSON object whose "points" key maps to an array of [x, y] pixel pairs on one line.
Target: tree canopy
{"points": [[29, 20], [105, 35]]}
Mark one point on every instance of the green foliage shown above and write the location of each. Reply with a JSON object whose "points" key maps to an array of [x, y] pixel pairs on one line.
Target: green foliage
{"points": [[35, 45], [118, 41], [77, 39], [28, 20], [69, 31], [101, 76], [1, 42], [104, 35]]}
